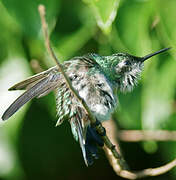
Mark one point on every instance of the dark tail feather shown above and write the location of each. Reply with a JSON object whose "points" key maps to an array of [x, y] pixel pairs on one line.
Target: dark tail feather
{"points": [[93, 140], [89, 143], [87, 136]]}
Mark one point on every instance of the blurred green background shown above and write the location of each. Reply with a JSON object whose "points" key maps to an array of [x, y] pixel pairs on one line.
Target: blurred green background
{"points": [[31, 147]]}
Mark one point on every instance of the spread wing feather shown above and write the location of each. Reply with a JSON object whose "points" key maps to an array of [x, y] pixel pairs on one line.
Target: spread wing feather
{"points": [[39, 89], [29, 82]]}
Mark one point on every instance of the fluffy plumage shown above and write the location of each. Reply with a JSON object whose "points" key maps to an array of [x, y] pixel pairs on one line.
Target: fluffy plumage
{"points": [[97, 80]]}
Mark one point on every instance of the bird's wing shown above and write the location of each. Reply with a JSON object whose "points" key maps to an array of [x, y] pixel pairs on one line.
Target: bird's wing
{"points": [[29, 82], [42, 87]]}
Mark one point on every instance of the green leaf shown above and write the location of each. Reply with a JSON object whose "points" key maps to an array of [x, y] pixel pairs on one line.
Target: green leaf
{"points": [[104, 12]]}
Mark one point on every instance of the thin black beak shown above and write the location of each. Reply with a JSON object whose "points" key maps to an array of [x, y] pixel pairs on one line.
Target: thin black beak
{"points": [[153, 54]]}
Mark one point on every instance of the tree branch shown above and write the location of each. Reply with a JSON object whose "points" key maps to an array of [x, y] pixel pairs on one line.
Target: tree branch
{"points": [[146, 135], [41, 9], [112, 133]]}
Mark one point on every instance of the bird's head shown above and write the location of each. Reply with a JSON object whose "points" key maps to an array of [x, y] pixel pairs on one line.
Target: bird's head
{"points": [[128, 68]]}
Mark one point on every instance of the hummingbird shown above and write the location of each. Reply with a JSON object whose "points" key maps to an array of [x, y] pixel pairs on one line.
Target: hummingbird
{"points": [[97, 79]]}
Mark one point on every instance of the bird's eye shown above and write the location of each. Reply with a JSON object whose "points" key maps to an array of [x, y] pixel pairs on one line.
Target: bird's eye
{"points": [[127, 63]]}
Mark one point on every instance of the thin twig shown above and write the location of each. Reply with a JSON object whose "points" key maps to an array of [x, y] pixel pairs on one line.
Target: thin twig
{"points": [[146, 135], [92, 119], [112, 133], [60, 67], [139, 174]]}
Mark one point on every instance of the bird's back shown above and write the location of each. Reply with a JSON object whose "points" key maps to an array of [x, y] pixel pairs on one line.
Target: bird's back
{"points": [[92, 85]]}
